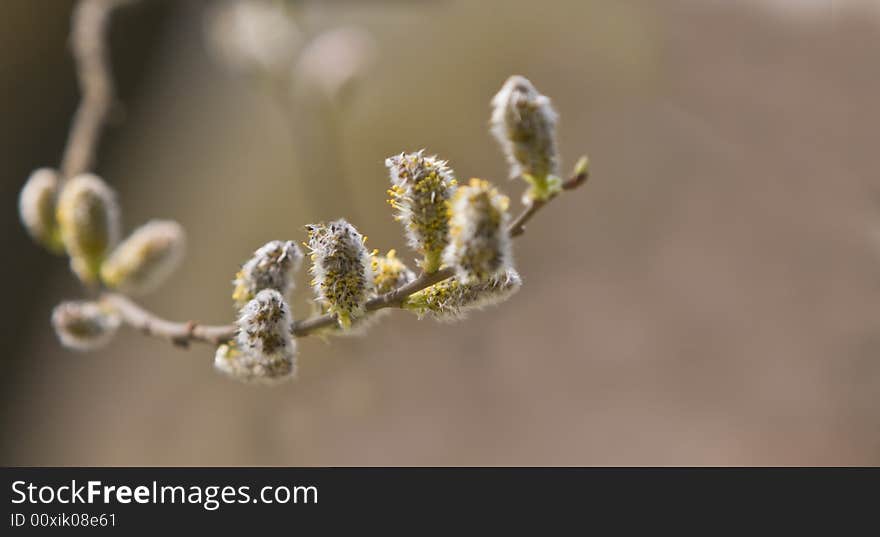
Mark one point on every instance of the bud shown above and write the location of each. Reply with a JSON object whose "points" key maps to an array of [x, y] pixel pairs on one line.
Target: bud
{"points": [[252, 36], [84, 326], [264, 326], [264, 349], [342, 269], [389, 272], [88, 216], [249, 367], [271, 267], [144, 260], [36, 206], [450, 300], [335, 60], [582, 166], [480, 245], [524, 123], [420, 191]]}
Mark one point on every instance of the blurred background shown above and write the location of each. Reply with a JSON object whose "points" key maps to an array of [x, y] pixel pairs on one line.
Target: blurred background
{"points": [[712, 296]]}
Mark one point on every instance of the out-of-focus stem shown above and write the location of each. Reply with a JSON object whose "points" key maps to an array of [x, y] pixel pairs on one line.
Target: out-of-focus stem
{"points": [[88, 40]]}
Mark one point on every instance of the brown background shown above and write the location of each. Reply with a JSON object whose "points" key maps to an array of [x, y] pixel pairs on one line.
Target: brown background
{"points": [[711, 297]]}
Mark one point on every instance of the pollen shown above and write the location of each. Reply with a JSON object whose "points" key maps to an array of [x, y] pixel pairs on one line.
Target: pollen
{"points": [[421, 189], [342, 270]]}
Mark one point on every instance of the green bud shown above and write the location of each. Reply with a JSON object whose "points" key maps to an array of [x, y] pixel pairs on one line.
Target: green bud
{"points": [[145, 259], [342, 270], [421, 187], [264, 349], [88, 216], [84, 326], [36, 207], [271, 267]]}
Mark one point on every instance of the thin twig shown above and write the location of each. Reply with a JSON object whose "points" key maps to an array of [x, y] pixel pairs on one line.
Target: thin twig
{"points": [[518, 226], [88, 41], [178, 333], [183, 333]]}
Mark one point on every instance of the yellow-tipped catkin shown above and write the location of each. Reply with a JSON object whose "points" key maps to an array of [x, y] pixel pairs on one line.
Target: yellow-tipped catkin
{"points": [[264, 349], [36, 207], [145, 259], [389, 272], [272, 267], [451, 300], [421, 187], [88, 217], [524, 123], [480, 245], [342, 269], [84, 326]]}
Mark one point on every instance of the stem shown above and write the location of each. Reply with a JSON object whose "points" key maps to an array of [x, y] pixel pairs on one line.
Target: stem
{"points": [[518, 226], [178, 333], [183, 333], [88, 41]]}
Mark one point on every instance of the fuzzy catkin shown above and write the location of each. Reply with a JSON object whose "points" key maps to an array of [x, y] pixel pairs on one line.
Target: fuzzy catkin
{"points": [[421, 187], [480, 245], [341, 269], [83, 325], [146, 258], [524, 123], [271, 267], [264, 325]]}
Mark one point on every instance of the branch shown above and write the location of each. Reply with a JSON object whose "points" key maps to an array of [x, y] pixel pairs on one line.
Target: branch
{"points": [[392, 299], [580, 176], [88, 41], [518, 226], [182, 334]]}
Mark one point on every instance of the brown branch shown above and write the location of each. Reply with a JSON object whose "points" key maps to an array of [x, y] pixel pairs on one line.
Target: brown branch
{"points": [[518, 226], [396, 298], [183, 333], [178, 333], [88, 43]]}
